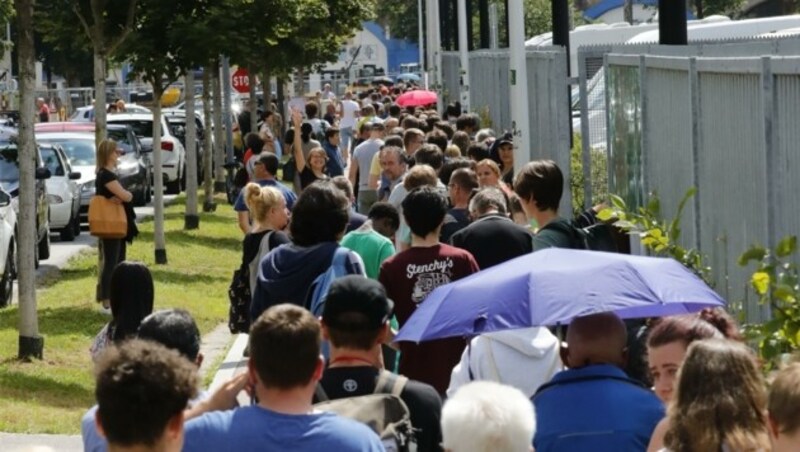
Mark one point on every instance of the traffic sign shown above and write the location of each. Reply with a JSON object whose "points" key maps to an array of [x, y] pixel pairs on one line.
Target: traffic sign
{"points": [[241, 81]]}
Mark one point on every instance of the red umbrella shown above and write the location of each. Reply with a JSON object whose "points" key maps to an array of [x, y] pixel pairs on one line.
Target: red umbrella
{"points": [[416, 98]]}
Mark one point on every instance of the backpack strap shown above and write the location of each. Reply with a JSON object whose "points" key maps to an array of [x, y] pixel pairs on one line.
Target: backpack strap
{"points": [[263, 247], [320, 394], [340, 257], [389, 383]]}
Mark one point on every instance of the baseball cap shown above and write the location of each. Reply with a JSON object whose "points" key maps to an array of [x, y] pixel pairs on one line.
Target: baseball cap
{"points": [[507, 138], [360, 295]]}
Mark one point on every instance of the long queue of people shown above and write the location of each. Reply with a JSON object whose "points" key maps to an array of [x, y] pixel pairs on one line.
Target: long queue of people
{"points": [[334, 265]]}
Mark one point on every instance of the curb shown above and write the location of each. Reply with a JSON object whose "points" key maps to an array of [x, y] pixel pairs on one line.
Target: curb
{"points": [[234, 364]]}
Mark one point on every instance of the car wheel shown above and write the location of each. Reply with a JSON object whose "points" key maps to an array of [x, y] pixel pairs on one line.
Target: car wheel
{"points": [[183, 177], [140, 198], [68, 233], [44, 247], [7, 281], [149, 192], [174, 187], [76, 223]]}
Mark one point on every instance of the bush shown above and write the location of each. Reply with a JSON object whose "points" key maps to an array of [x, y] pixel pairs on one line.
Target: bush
{"points": [[599, 175]]}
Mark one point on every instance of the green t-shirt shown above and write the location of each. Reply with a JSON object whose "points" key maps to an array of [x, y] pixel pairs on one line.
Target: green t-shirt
{"points": [[372, 247], [553, 237]]}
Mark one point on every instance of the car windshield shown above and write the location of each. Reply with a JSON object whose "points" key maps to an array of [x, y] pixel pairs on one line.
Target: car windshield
{"points": [[51, 161], [81, 152], [122, 138], [9, 166], [141, 128]]}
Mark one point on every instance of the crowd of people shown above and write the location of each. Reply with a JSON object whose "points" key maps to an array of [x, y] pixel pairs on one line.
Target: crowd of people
{"points": [[387, 204]]}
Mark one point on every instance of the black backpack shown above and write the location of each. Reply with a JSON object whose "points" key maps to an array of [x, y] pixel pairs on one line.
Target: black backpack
{"points": [[596, 237], [383, 411]]}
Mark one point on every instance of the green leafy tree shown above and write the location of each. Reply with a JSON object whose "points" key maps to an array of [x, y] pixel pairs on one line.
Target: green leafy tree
{"points": [[198, 48], [704, 8], [156, 53], [400, 17], [106, 24], [62, 45]]}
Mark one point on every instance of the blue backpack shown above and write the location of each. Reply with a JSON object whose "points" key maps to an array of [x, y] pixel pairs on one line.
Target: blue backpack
{"points": [[319, 288]]}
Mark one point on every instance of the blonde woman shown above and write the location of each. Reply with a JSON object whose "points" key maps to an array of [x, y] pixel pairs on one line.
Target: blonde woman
{"points": [[719, 403], [312, 167], [489, 176], [111, 251], [267, 207]]}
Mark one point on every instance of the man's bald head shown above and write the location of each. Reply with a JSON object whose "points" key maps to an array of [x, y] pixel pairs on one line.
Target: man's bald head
{"points": [[595, 339]]}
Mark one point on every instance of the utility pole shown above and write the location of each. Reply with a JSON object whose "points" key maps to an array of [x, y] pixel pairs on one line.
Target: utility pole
{"points": [[520, 120]]}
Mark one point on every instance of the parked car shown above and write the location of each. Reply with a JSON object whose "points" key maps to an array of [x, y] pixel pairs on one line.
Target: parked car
{"points": [[173, 155], [176, 119], [9, 179], [86, 114], [63, 192], [78, 142], [8, 244]]}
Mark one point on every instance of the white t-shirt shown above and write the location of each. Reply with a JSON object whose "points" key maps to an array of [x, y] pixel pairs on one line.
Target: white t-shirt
{"points": [[349, 110]]}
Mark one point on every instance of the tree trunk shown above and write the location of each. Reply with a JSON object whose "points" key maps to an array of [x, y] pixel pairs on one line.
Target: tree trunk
{"points": [[191, 220], [219, 132], [208, 150], [299, 84], [281, 86], [253, 106], [99, 97], [31, 345], [158, 175]]}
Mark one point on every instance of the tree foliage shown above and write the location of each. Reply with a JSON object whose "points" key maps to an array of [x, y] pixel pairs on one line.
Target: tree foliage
{"points": [[400, 17], [776, 281], [306, 33], [62, 45]]}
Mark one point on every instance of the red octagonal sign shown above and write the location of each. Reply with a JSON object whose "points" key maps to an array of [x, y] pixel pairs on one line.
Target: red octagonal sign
{"points": [[241, 80]]}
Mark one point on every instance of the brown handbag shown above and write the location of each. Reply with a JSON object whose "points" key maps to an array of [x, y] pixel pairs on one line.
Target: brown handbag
{"points": [[107, 219]]}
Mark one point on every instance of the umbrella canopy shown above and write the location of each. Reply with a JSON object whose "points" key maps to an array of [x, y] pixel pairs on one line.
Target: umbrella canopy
{"points": [[385, 81], [409, 76], [553, 286], [416, 98]]}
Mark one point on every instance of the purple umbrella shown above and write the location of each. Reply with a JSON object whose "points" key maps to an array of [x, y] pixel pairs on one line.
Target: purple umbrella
{"points": [[553, 286]]}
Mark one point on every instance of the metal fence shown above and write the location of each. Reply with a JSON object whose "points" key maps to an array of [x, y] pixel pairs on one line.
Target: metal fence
{"points": [[726, 125], [548, 99]]}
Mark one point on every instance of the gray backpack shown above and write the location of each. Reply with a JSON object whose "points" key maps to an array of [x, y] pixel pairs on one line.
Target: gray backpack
{"points": [[383, 411]]}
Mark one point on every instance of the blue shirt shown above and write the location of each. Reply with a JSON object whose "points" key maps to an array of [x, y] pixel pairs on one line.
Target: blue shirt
{"points": [[595, 408], [255, 428], [93, 442], [289, 195], [335, 163]]}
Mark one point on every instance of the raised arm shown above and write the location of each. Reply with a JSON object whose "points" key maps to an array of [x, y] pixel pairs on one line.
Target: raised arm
{"points": [[297, 146]]}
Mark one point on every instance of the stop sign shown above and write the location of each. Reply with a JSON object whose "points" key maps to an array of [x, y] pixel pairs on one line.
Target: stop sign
{"points": [[241, 81]]}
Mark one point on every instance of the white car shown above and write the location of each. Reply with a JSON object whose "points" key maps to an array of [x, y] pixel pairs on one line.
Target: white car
{"points": [[86, 114], [173, 153], [8, 242], [63, 192]]}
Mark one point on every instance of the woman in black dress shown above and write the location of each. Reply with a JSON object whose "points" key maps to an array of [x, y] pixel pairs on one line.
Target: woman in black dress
{"points": [[111, 251]]}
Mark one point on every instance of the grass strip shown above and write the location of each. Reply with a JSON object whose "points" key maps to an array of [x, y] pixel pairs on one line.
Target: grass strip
{"points": [[51, 395]]}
